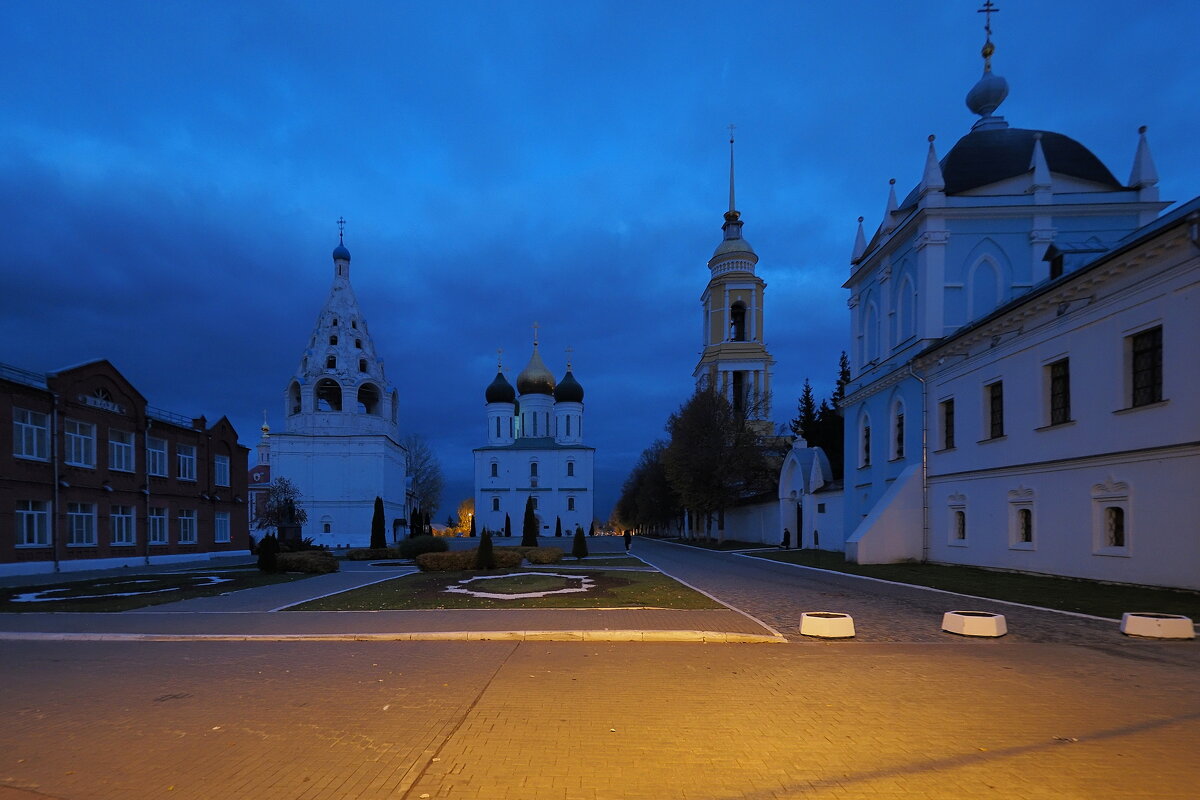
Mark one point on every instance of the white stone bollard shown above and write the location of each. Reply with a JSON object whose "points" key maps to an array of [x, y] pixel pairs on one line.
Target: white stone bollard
{"points": [[826, 624], [974, 623], [1158, 626]]}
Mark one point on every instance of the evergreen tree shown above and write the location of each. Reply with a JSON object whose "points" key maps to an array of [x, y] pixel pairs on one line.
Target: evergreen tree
{"points": [[579, 549], [472, 534], [378, 531], [592, 528], [507, 526], [839, 390], [806, 414], [529, 526], [558, 527], [485, 556]]}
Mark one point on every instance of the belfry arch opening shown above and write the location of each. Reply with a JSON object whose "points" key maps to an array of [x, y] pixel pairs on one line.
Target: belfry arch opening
{"points": [[368, 399], [328, 395], [737, 322], [294, 398]]}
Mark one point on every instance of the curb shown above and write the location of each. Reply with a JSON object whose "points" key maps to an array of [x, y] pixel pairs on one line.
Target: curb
{"points": [[701, 637]]}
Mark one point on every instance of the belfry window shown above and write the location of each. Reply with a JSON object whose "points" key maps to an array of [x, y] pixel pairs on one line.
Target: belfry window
{"points": [[737, 322], [331, 362], [328, 395], [362, 365], [333, 339], [358, 343], [354, 324]]}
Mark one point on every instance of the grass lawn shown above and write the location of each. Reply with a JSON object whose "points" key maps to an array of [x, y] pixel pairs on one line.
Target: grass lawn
{"points": [[1085, 597], [125, 592], [602, 561], [428, 590]]}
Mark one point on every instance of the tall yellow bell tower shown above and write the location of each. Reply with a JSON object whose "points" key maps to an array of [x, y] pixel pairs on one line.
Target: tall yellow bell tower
{"points": [[734, 359]]}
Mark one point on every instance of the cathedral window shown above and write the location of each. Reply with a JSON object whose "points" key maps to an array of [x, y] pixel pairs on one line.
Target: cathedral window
{"points": [[570, 469], [333, 339], [533, 469], [1146, 369], [331, 362], [570, 504], [737, 322], [864, 442], [358, 343], [362, 365], [354, 324], [294, 398], [995, 408], [946, 412], [495, 504], [568, 425], [368, 399], [1059, 374], [328, 395], [495, 470], [335, 322]]}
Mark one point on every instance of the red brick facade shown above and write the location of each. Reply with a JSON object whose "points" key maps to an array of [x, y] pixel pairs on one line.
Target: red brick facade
{"points": [[92, 475]]}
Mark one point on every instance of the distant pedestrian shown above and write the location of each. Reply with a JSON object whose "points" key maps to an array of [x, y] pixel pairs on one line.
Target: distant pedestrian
{"points": [[787, 540], [628, 539]]}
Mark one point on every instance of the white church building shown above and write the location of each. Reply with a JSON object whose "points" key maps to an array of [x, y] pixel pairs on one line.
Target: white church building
{"points": [[534, 450], [340, 444], [1024, 371]]}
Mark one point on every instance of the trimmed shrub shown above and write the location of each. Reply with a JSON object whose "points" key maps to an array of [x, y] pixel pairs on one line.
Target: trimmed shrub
{"points": [[314, 561], [268, 551], [485, 558], [579, 549], [378, 530], [414, 546], [543, 555], [456, 560], [369, 554]]}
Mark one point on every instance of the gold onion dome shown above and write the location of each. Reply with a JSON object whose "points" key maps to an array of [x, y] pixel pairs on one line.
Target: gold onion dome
{"points": [[535, 378]]}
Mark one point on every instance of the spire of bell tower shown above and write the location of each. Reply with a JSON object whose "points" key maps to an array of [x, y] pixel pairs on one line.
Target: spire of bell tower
{"points": [[733, 217]]}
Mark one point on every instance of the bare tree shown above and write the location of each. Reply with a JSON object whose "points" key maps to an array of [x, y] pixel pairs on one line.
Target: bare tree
{"points": [[426, 473]]}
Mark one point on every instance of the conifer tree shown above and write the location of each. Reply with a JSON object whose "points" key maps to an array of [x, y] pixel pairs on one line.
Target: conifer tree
{"points": [[529, 526], [579, 549], [507, 526], [378, 531], [592, 528], [485, 556], [806, 413], [558, 527]]}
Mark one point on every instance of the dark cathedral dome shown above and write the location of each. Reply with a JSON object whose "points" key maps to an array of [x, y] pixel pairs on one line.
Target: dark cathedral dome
{"points": [[500, 390], [569, 390]]}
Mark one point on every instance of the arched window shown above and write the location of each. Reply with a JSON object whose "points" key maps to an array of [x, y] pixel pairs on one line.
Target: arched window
{"points": [[495, 470], [358, 343], [368, 399], [864, 441], [362, 365], [333, 339], [533, 469], [495, 504], [984, 287], [328, 395], [354, 324], [330, 362], [335, 322], [294, 398], [870, 334], [897, 449], [737, 322], [570, 504], [906, 322], [570, 469]]}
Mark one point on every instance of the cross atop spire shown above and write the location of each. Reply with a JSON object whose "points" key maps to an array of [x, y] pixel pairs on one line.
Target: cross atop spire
{"points": [[341, 223], [732, 207], [570, 350], [499, 359], [989, 8]]}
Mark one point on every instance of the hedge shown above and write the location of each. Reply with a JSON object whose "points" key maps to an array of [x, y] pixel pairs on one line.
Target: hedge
{"points": [[463, 560], [416, 545], [370, 554], [315, 561], [543, 555]]}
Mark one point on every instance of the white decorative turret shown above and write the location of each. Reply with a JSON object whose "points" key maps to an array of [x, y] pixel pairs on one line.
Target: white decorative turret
{"points": [[1144, 176], [889, 213], [1040, 185], [860, 244], [932, 183], [339, 385], [568, 409], [501, 408]]}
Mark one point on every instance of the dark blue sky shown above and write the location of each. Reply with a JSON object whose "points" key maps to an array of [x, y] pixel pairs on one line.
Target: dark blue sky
{"points": [[170, 174]]}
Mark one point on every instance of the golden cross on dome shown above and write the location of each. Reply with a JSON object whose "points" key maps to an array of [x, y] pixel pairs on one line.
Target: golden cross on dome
{"points": [[988, 9]]}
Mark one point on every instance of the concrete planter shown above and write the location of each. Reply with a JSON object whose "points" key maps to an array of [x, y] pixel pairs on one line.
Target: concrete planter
{"points": [[1158, 626], [826, 625], [974, 623]]}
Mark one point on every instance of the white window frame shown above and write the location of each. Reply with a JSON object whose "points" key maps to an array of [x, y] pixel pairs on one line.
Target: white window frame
{"points": [[221, 530], [187, 526], [1111, 494], [185, 461], [120, 450], [33, 523], [957, 504], [81, 524], [156, 457], [1021, 499], [157, 526], [122, 526], [221, 470], [80, 439], [31, 439]]}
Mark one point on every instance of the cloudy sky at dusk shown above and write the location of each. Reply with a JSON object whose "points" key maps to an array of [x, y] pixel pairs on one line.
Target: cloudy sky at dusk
{"points": [[170, 174]]}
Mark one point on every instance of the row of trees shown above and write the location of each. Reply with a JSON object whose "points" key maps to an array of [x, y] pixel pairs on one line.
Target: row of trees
{"points": [[715, 457]]}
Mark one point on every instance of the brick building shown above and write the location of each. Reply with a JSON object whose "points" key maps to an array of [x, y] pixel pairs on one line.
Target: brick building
{"points": [[93, 477]]}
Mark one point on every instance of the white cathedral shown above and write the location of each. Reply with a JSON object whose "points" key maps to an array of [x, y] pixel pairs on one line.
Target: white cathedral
{"points": [[340, 445], [534, 450]]}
